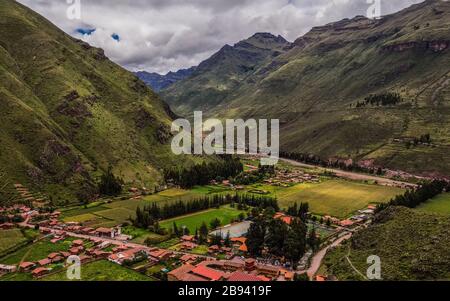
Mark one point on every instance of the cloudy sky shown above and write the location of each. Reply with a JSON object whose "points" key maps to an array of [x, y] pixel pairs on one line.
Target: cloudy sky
{"points": [[166, 35]]}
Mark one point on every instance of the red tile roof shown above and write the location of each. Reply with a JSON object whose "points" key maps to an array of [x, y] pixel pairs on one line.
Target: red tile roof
{"points": [[39, 271], [44, 262], [25, 265], [240, 276], [208, 273], [52, 255]]}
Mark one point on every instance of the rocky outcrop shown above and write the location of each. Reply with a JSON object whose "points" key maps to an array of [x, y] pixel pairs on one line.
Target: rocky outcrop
{"points": [[435, 46]]}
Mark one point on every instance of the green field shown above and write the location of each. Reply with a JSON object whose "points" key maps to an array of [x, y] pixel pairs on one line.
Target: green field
{"points": [[36, 251], [338, 198], [102, 271], [439, 204], [113, 213], [411, 244], [224, 214], [10, 238]]}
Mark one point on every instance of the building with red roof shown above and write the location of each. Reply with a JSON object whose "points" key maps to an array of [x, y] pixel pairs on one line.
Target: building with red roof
{"points": [[208, 273], [26, 266], [44, 262], [39, 272]]}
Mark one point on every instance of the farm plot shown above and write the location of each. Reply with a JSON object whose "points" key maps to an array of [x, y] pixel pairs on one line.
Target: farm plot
{"points": [[10, 238], [338, 198]]}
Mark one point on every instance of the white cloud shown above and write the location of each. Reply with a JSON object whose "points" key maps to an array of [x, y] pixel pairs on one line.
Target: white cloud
{"points": [[163, 35]]}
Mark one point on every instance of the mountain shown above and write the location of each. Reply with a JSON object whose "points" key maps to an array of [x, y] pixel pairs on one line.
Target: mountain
{"points": [[318, 87], [214, 79], [68, 112], [411, 245], [158, 82]]}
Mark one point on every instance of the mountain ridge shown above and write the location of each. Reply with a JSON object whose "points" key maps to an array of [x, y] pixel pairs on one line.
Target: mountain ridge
{"points": [[68, 112], [314, 88]]}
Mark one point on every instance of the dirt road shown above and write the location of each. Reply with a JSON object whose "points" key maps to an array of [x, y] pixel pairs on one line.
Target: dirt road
{"points": [[317, 259]]}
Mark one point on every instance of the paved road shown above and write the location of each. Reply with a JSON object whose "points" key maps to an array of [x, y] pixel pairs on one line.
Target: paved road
{"points": [[352, 175]]}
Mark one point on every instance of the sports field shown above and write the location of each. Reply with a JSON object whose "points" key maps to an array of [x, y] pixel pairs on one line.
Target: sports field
{"points": [[338, 198], [439, 204], [194, 221]]}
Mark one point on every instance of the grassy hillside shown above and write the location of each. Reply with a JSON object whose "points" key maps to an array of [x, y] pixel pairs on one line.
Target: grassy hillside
{"points": [[439, 205], [215, 79], [314, 89], [412, 245], [68, 112]]}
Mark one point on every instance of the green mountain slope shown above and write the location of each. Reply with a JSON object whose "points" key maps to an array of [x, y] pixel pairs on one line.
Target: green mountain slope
{"points": [[67, 112], [411, 245], [314, 89], [215, 79]]}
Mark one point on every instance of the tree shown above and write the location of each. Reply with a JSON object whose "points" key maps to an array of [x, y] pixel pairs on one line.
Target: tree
{"points": [[295, 243], [196, 234], [313, 240], [216, 240], [109, 184], [255, 237], [215, 223], [303, 211], [227, 241], [176, 231], [203, 233], [301, 277], [277, 231]]}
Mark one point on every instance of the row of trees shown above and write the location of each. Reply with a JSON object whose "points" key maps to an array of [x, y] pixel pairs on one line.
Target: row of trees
{"points": [[149, 215], [413, 198], [423, 139], [202, 174], [384, 99], [300, 211], [339, 164]]}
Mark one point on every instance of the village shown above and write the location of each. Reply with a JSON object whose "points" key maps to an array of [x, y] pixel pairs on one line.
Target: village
{"points": [[221, 263]]}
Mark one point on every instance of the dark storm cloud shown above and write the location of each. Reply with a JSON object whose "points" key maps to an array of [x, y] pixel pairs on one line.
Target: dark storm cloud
{"points": [[163, 35]]}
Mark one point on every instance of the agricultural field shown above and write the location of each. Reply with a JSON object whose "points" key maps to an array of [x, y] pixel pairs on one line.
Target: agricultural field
{"points": [[141, 235], [439, 204], [193, 221], [102, 270], [103, 214], [338, 198], [10, 238], [36, 251]]}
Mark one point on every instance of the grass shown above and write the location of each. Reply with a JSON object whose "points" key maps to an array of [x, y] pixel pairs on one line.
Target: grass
{"points": [[193, 221], [119, 211], [10, 238], [36, 251], [338, 198], [439, 204], [141, 235], [102, 271], [411, 244], [117, 214]]}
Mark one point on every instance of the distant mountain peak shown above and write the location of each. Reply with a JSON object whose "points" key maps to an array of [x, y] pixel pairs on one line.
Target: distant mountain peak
{"points": [[159, 82]]}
